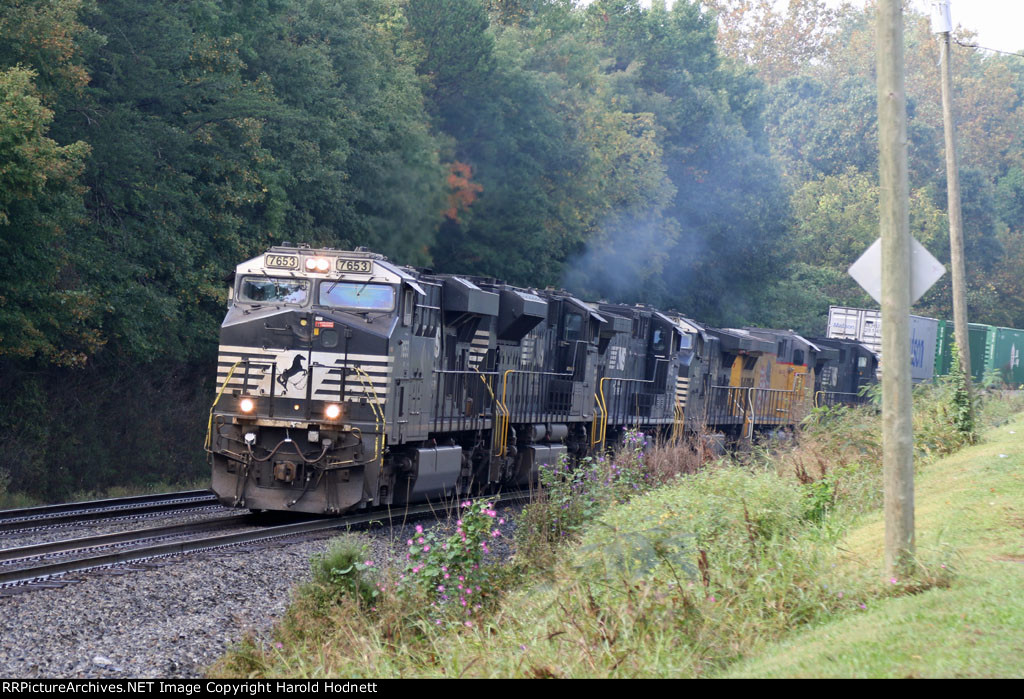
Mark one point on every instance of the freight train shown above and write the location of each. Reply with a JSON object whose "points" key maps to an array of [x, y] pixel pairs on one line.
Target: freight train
{"points": [[346, 381], [995, 351]]}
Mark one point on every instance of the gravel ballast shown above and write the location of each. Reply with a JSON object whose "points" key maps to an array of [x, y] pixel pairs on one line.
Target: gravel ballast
{"points": [[172, 621]]}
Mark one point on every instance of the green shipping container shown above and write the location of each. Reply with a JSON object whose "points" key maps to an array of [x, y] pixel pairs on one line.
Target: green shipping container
{"points": [[982, 340], [1006, 352]]}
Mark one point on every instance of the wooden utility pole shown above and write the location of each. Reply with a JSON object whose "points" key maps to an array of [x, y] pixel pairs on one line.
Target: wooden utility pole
{"points": [[894, 219], [942, 26]]}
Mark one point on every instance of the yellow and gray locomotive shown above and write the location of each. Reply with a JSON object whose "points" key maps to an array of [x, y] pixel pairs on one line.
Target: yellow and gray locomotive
{"points": [[347, 381]]}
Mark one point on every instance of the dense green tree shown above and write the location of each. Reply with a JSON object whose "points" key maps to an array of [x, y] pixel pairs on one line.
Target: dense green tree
{"points": [[220, 128], [46, 316], [821, 121], [531, 119], [214, 130], [722, 227], [46, 36], [352, 159], [1009, 198], [43, 312]]}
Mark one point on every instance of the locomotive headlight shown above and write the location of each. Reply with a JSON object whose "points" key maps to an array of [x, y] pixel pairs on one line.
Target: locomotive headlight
{"points": [[317, 264], [247, 405], [332, 411]]}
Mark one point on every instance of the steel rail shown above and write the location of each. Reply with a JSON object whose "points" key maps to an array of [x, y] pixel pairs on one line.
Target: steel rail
{"points": [[68, 546], [45, 572], [46, 515]]}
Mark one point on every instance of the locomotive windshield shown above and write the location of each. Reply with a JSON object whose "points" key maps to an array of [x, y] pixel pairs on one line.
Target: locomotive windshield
{"points": [[360, 296], [274, 290]]}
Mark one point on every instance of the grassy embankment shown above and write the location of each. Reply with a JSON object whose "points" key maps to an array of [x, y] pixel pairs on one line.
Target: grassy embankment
{"points": [[765, 565], [971, 504]]}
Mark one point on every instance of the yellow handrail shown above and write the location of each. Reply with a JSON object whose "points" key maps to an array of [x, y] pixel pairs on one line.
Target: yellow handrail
{"points": [[604, 409], [507, 417], [503, 435], [487, 385], [679, 424], [604, 401], [378, 411], [209, 424], [497, 404]]}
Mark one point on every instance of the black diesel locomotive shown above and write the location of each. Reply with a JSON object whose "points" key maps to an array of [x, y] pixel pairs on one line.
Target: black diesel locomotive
{"points": [[347, 381]]}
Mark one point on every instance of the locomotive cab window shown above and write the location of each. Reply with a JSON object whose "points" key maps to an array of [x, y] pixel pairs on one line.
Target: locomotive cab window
{"points": [[658, 340], [573, 327], [408, 304], [357, 296], [273, 290]]}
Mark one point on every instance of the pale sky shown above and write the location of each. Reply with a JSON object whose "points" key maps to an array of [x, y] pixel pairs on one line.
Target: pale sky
{"points": [[999, 23]]}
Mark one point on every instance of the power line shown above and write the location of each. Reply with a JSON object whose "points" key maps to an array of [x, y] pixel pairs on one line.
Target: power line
{"points": [[985, 48]]}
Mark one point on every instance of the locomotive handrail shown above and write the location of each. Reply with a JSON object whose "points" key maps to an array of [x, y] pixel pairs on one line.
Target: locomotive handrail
{"points": [[378, 411], [679, 423], [750, 417], [462, 386], [504, 404], [604, 401], [753, 414], [734, 403], [482, 374], [209, 424]]}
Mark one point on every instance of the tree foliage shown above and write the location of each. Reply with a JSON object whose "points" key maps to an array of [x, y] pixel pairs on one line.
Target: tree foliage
{"points": [[44, 311], [821, 120], [716, 156]]}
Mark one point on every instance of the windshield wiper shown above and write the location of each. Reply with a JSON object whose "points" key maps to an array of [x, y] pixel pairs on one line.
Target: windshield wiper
{"points": [[277, 289], [366, 314], [361, 289]]}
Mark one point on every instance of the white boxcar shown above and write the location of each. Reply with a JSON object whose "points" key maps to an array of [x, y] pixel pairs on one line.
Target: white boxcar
{"points": [[861, 324]]}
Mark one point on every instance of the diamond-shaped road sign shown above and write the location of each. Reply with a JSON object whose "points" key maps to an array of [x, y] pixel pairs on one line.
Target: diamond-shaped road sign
{"points": [[925, 270]]}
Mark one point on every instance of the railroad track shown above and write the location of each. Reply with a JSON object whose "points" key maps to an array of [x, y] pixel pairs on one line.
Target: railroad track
{"points": [[135, 506], [33, 566], [13, 559]]}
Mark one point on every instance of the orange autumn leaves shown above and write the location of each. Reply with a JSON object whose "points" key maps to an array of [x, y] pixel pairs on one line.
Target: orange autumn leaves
{"points": [[462, 190]]}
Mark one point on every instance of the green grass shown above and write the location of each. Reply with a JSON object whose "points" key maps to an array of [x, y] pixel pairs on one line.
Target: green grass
{"points": [[971, 502], [769, 565]]}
